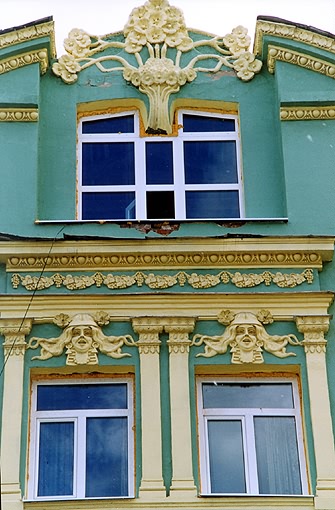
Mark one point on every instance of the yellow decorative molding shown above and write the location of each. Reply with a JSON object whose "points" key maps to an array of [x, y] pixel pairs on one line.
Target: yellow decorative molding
{"points": [[198, 253], [148, 329], [178, 329], [246, 337], [204, 305], [307, 112], [293, 33], [159, 282], [82, 338], [164, 65], [30, 33], [24, 59], [276, 53], [18, 114], [15, 331], [314, 329]]}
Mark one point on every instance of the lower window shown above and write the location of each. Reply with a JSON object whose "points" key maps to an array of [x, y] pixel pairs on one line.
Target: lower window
{"points": [[251, 437], [82, 442]]}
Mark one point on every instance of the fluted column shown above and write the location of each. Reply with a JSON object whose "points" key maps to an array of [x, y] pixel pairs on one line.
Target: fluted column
{"points": [[148, 329], [14, 331], [182, 473], [315, 343]]}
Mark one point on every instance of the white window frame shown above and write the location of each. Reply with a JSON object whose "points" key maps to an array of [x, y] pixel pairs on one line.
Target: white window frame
{"points": [[179, 187], [246, 417], [78, 417]]}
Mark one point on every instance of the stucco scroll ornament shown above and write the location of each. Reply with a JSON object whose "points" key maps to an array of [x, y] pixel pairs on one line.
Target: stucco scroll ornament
{"points": [[157, 56], [82, 338], [246, 336]]}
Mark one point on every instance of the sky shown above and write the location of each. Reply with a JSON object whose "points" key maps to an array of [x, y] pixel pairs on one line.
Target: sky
{"points": [[218, 17]]}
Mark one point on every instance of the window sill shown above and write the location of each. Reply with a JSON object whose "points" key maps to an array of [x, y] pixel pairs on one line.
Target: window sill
{"points": [[240, 502]]}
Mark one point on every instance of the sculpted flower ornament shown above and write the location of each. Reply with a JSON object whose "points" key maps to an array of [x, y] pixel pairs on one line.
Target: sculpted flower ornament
{"points": [[166, 57], [246, 337], [82, 338]]}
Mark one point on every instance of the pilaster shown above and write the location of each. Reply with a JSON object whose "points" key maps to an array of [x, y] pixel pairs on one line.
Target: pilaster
{"points": [[314, 329], [14, 331], [182, 480], [148, 329]]}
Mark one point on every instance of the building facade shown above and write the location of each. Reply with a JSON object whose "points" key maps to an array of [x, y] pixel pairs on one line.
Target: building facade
{"points": [[167, 226]]}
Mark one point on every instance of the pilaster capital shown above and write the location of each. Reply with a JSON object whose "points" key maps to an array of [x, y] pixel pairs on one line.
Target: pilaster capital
{"points": [[314, 328], [148, 329], [179, 329], [15, 331]]}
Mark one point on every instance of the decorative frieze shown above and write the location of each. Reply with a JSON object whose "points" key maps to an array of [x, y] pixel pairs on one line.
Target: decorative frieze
{"points": [[24, 59], [15, 331], [314, 329], [28, 34], [246, 336], [18, 114], [159, 281], [293, 33], [290, 56], [307, 112], [203, 258], [82, 339]]}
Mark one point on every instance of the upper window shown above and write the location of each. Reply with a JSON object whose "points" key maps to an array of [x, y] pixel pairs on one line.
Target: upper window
{"points": [[81, 440], [123, 176], [251, 438]]}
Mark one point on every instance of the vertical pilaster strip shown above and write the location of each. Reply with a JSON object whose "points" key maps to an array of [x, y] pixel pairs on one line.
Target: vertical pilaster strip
{"points": [[182, 480], [315, 343], [14, 331], [148, 344]]}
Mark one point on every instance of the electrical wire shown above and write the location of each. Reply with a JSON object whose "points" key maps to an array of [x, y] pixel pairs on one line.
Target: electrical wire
{"points": [[22, 322]]}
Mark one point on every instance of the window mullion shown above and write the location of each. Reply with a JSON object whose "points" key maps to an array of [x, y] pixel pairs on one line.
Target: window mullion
{"points": [[250, 452], [80, 458], [140, 179], [179, 177]]}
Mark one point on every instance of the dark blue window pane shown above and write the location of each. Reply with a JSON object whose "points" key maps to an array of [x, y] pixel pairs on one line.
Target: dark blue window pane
{"points": [[160, 205], [108, 163], [212, 162], [245, 395], [112, 125], [108, 206], [212, 204], [56, 458], [226, 458], [106, 457], [200, 124], [81, 396], [159, 162]]}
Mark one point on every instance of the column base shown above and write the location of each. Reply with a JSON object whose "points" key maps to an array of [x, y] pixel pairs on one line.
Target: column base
{"points": [[11, 496], [183, 490], [152, 490], [325, 495]]}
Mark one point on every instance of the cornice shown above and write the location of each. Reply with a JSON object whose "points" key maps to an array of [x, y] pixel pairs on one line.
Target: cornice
{"points": [[18, 114], [318, 65], [282, 305], [267, 252], [24, 59], [30, 33], [307, 112], [293, 33]]}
